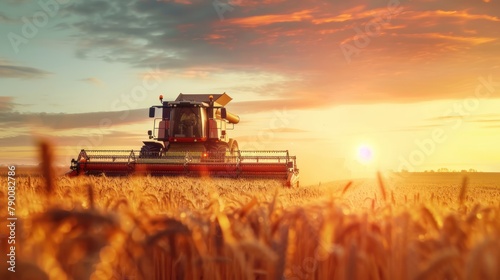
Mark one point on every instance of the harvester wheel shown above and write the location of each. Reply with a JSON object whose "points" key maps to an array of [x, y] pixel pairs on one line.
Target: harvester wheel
{"points": [[149, 152], [221, 151], [225, 152]]}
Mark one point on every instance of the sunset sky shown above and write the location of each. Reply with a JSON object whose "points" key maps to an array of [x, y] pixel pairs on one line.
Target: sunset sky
{"points": [[349, 87]]}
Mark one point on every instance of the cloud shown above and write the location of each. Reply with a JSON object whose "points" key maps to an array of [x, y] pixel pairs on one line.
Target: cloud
{"points": [[6, 103], [16, 2], [249, 107], [287, 130], [465, 15], [16, 141], [461, 39], [427, 127], [64, 121], [255, 21], [110, 138], [497, 120], [21, 72], [93, 81], [406, 52], [484, 120], [6, 19]]}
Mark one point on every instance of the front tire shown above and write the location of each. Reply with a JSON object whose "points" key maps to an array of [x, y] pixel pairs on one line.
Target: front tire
{"points": [[149, 152]]}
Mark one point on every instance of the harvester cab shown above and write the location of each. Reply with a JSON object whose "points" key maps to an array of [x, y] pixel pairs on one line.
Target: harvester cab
{"points": [[189, 137], [196, 122]]}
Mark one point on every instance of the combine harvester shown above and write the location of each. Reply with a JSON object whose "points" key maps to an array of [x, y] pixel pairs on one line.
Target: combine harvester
{"points": [[191, 140]]}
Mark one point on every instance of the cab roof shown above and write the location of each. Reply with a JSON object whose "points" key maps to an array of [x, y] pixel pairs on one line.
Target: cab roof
{"points": [[219, 99]]}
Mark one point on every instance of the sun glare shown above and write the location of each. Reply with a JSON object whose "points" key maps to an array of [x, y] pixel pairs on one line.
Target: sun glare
{"points": [[365, 154]]}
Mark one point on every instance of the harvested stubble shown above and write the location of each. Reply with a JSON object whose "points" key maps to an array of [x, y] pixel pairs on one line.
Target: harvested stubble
{"points": [[201, 228]]}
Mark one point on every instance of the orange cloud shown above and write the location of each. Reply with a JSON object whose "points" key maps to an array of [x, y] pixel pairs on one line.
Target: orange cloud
{"points": [[470, 40], [454, 14], [93, 81], [356, 13], [214, 36], [339, 18], [270, 19]]}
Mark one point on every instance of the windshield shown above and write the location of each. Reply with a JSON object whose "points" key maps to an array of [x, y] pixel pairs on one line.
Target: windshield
{"points": [[188, 122]]}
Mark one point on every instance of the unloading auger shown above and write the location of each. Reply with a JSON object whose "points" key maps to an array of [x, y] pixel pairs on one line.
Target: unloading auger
{"points": [[189, 138]]}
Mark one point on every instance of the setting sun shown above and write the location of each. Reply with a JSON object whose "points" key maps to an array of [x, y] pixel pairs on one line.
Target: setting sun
{"points": [[365, 154]]}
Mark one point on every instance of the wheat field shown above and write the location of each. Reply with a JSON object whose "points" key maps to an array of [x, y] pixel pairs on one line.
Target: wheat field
{"points": [[206, 228]]}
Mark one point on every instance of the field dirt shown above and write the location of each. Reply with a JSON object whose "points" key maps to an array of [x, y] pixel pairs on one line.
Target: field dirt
{"points": [[396, 226]]}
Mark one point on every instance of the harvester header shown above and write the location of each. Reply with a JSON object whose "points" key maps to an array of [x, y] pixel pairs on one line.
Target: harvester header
{"points": [[189, 137]]}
